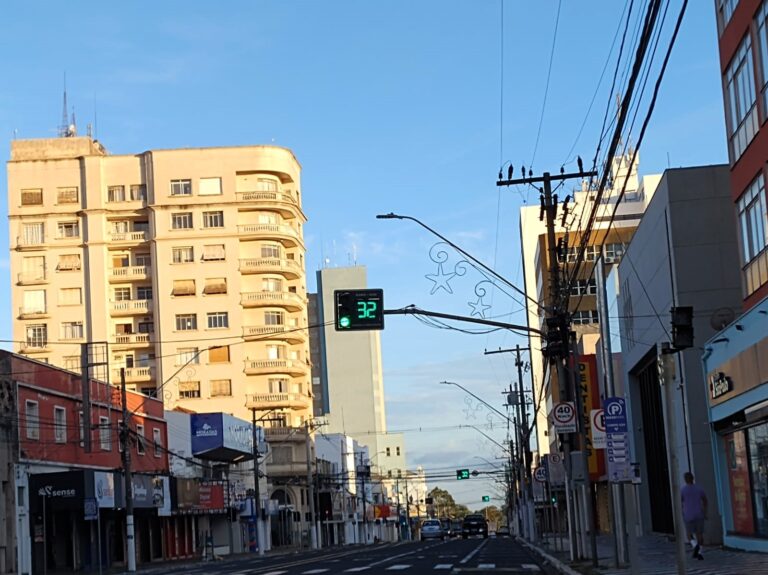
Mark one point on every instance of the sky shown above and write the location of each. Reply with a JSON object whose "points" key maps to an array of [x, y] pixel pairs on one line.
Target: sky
{"points": [[394, 106]]}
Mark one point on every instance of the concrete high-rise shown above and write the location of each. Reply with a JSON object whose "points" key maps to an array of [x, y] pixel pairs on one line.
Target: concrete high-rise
{"points": [[188, 262]]}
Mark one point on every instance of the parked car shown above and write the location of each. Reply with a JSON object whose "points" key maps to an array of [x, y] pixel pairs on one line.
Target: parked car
{"points": [[431, 529], [474, 524], [448, 529]]}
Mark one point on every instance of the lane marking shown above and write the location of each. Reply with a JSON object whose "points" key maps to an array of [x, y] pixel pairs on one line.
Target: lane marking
{"points": [[311, 571], [486, 565], [355, 569], [473, 552], [443, 565], [530, 567], [397, 567], [276, 573]]}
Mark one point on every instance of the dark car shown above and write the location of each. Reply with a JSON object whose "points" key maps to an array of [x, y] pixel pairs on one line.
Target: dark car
{"points": [[474, 525], [447, 527]]}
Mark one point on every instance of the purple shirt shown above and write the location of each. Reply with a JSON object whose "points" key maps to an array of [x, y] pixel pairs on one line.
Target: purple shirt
{"points": [[693, 498]]}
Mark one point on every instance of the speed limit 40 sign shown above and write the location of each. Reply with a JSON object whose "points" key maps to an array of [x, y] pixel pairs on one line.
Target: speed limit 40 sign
{"points": [[564, 417]]}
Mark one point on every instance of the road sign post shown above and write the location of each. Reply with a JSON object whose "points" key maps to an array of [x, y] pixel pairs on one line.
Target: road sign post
{"points": [[564, 417], [617, 441], [597, 421]]}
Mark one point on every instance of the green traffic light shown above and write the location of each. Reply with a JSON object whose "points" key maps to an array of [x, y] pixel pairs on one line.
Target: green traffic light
{"points": [[344, 321]]}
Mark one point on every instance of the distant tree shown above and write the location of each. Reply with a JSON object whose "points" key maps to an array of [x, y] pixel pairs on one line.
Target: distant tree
{"points": [[493, 513], [444, 505]]}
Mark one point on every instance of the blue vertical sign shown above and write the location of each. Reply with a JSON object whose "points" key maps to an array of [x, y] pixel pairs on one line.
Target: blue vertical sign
{"points": [[617, 443]]}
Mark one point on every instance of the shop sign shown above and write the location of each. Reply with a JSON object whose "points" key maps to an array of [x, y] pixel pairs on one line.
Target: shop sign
{"points": [[148, 491], [220, 431], [64, 490], [719, 384], [104, 488], [211, 495]]}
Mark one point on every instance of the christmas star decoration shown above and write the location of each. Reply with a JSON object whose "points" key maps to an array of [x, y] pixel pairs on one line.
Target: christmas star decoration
{"points": [[440, 279], [478, 308]]}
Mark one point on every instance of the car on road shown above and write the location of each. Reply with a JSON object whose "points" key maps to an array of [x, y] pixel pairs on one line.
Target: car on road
{"points": [[474, 524], [448, 530], [431, 529], [502, 531]]}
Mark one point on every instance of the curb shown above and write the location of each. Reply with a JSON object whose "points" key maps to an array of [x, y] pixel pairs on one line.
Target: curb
{"points": [[552, 560]]}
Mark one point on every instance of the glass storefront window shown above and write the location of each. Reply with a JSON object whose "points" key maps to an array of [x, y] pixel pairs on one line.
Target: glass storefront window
{"points": [[757, 439]]}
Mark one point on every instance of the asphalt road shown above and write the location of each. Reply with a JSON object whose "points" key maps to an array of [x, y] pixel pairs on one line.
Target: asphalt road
{"points": [[491, 555]]}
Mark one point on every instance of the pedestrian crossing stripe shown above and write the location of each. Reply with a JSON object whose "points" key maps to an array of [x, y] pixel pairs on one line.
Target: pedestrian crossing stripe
{"points": [[486, 565], [443, 565], [313, 571], [356, 569], [530, 567], [397, 567]]}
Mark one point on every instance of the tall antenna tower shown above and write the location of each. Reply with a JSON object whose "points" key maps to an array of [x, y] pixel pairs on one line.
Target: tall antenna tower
{"points": [[67, 128]]}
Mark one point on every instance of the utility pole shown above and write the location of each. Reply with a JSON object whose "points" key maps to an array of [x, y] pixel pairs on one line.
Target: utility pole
{"points": [[524, 448], [363, 473], [557, 321], [256, 486], [310, 487], [129, 533]]}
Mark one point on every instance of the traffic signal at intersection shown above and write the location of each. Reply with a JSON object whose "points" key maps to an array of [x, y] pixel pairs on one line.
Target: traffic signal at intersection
{"points": [[358, 309]]}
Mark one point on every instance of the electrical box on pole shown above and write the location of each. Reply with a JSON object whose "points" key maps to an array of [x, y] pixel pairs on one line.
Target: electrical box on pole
{"points": [[682, 327], [358, 309]]}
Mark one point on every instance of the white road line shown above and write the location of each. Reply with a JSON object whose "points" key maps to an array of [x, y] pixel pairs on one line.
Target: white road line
{"points": [[275, 573], [530, 567], [443, 565], [397, 567], [486, 565], [447, 556], [473, 552], [355, 569], [312, 571]]}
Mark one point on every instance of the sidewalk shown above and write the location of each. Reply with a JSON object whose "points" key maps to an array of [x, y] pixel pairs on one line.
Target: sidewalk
{"points": [[657, 557]]}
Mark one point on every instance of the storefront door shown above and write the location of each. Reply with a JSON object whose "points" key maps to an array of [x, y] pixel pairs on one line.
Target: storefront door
{"points": [[738, 474]]}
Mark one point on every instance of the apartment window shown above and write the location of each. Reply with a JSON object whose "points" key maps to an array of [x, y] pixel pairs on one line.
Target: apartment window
{"points": [[591, 253], [60, 424], [266, 185], [122, 294], [215, 286], [214, 253], [218, 320], [37, 336], [145, 359], [69, 262], [740, 99], [143, 260], [388, 452], [270, 251], [584, 287], [186, 322], [271, 285], [34, 301], [105, 434], [397, 450], [138, 192], [70, 296], [119, 226], [278, 385], [762, 42], [32, 197], [140, 439], [181, 187], [218, 354], [613, 253], [584, 316], [268, 218], [183, 288], [121, 261], [72, 363], [274, 318], [221, 387], [33, 234], [725, 9], [187, 355], [189, 389], [116, 193], [275, 351], [146, 327], [149, 391], [66, 195], [181, 221], [213, 219], [210, 187], [33, 268], [68, 230], [144, 292], [183, 255], [753, 219], [157, 439], [32, 415], [72, 330]]}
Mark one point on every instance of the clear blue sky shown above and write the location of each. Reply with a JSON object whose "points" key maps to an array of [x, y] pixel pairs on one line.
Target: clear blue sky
{"points": [[389, 106]]}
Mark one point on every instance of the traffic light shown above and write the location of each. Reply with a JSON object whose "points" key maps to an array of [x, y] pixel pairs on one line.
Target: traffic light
{"points": [[359, 309], [462, 474], [682, 327], [486, 498]]}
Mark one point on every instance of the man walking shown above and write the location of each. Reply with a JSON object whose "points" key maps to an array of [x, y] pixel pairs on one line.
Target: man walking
{"points": [[694, 512]]}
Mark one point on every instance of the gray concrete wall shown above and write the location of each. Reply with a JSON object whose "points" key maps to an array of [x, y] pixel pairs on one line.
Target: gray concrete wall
{"points": [[683, 253]]}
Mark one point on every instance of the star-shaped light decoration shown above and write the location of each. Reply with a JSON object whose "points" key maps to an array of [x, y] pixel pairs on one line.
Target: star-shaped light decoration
{"points": [[478, 307], [440, 279]]}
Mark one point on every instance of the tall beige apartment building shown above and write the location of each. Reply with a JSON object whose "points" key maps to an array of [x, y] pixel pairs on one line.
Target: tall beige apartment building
{"points": [[188, 262]]}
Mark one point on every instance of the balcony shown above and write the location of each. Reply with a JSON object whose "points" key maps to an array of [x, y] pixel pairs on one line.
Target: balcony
{"points": [[282, 332], [128, 237], [288, 235], [270, 366], [24, 243], [131, 307], [290, 468], [134, 374], [131, 339], [33, 312], [280, 201], [32, 278], [130, 273], [266, 401], [288, 268], [288, 300], [278, 434]]}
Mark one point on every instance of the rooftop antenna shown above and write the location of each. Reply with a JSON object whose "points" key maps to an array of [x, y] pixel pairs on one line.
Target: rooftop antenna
{"points": [[64, 126]]}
